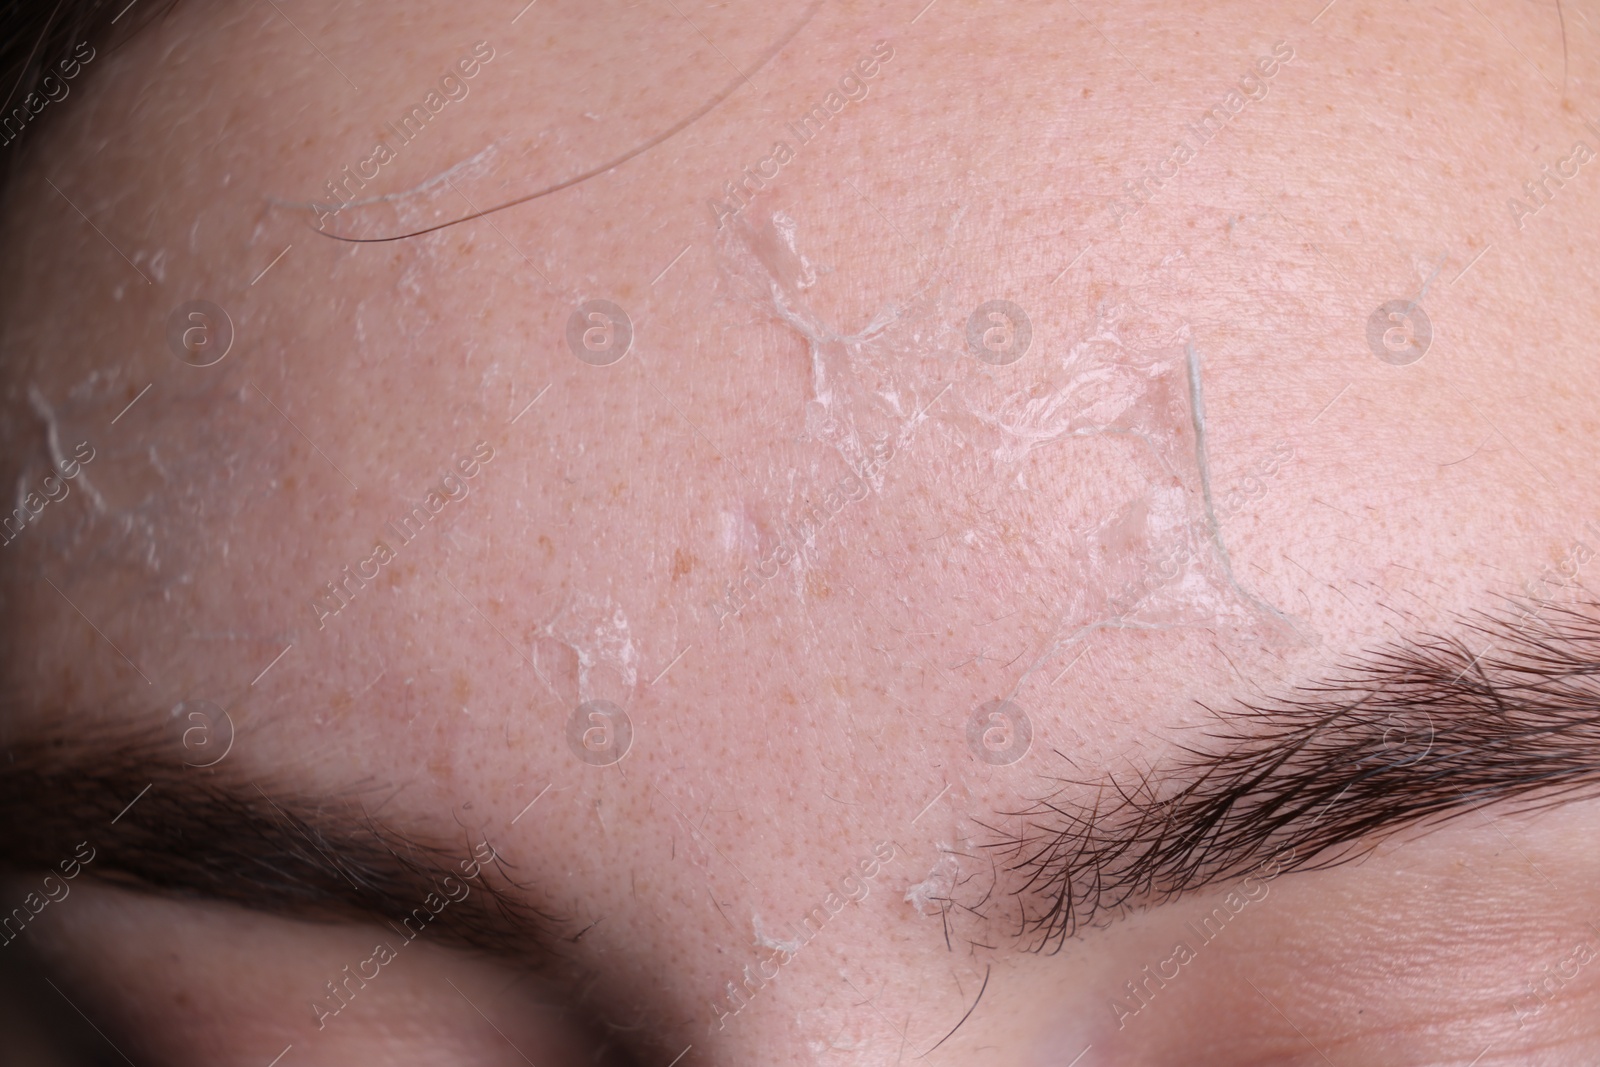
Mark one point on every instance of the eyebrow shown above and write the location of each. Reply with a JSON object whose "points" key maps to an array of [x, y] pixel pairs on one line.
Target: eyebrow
{"points": [[158, 825], [1502, 709], [1409, 733]]}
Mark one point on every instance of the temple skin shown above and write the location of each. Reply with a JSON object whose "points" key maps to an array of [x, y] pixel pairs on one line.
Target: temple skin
{"points": [[782, 742]]}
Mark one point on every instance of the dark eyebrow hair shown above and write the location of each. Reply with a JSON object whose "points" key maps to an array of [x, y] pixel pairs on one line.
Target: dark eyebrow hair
{"points": [[158, 825], [1503, 709], [1407, 734]]}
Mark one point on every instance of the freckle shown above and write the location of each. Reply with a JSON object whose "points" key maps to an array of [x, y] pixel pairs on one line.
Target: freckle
{"points": [[549, 549], [289, 483], [341, 700], [682, 563], [463, 687], [817, 587]]}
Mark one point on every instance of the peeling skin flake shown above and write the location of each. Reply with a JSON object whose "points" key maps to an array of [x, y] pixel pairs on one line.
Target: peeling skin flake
{"points": [[791, 946], [596, 631], [58, 458], [1160, 562], [928, 896], [1132, 373], [857, 398]]}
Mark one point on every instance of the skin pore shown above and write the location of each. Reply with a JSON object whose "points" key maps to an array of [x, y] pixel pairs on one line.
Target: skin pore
{"points": [[823, 507]]}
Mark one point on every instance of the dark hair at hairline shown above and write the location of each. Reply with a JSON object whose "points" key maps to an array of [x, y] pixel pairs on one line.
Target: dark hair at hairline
{"points": [[37, 35]]}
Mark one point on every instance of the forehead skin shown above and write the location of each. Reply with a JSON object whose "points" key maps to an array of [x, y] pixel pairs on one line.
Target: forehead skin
{"points": [[772, 750]]}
